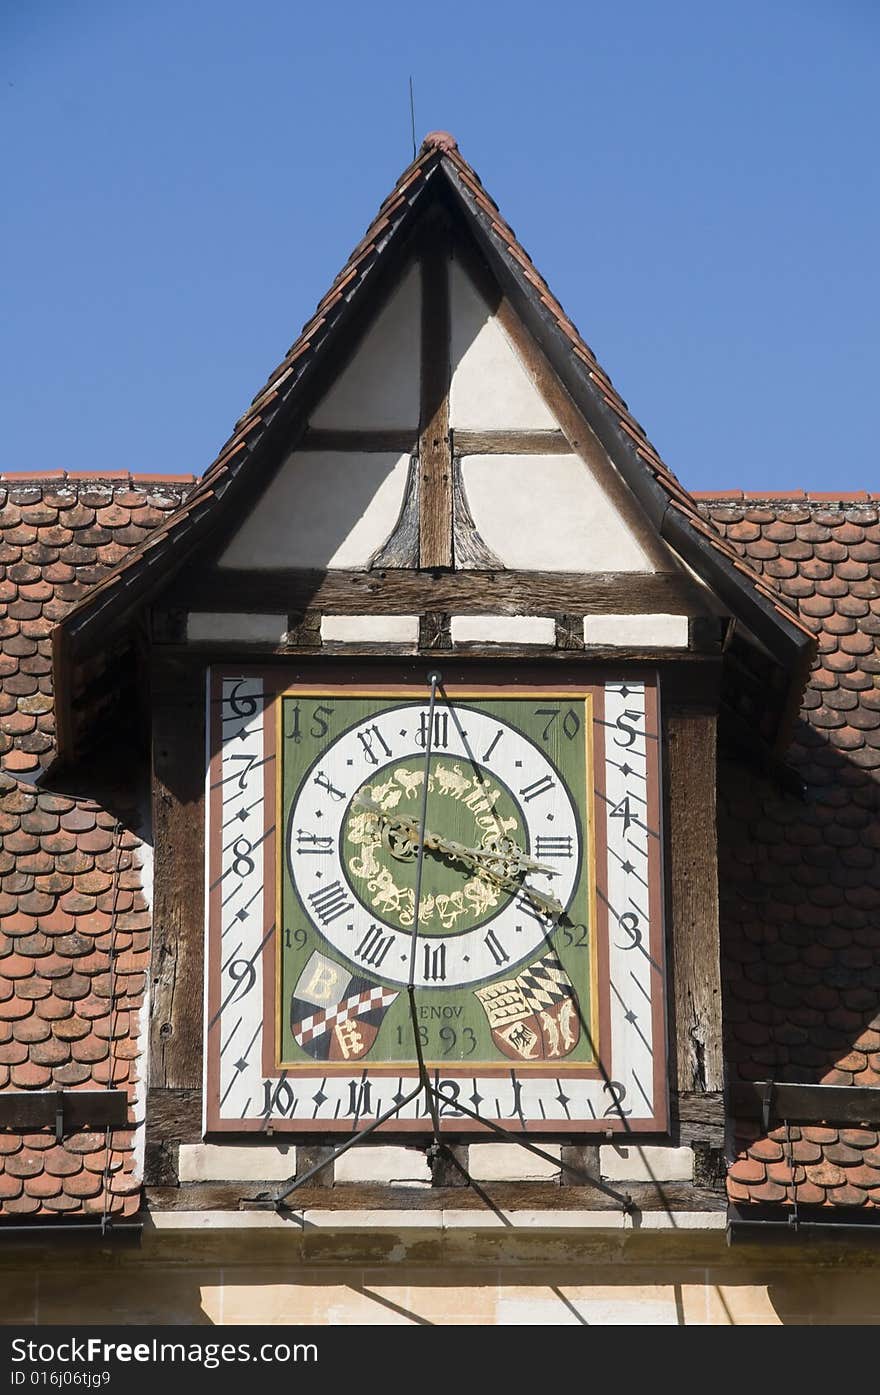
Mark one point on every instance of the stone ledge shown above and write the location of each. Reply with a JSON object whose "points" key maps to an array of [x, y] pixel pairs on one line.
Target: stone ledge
{"points": [[437, 1220]]}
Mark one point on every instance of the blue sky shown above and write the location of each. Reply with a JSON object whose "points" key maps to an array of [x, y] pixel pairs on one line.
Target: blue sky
{"points": [[698, 182]]}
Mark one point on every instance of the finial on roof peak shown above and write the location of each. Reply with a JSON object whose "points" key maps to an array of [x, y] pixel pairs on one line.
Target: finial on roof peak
{"points": [[439, 140]]}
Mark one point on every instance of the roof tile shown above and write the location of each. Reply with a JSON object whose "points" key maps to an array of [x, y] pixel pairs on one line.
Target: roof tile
{"points": [[819, 1020]]}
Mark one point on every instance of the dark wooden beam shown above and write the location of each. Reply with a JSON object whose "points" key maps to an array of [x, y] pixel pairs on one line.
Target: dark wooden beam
{"points": [[510, 443], [178, 896], [372, 442], [403, 591], [698, 1119], [692, 860], [174, 1114], [66, 1111], [806, 1104], [505, 1196], [435, 455]]}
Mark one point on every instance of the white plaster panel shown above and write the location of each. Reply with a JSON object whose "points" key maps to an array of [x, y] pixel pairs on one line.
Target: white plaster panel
{"points": [[222, 626], [490, 387], [503, 629], [379, 388], [370, 629], [507, 1162], [404, 1166], [657, 631], [323, 509], [550, 513], [628, 1163], [216, 1162]]}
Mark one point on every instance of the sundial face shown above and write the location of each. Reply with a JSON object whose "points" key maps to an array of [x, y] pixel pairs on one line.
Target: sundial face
{"points": [[527, 822]]}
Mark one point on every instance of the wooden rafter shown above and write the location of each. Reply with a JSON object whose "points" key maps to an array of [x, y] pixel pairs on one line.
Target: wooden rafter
{"points": [[435, 452]]}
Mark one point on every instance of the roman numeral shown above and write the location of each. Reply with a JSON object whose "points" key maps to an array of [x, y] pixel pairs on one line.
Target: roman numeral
{"points": [[553, 847], [494, 742], [374, 946], [330, 902], [523, 904], [360, 1097], [313, 842], [440, 736], [435, 963], [322, 781], [366, 739], [541, 786], [496, 948]]}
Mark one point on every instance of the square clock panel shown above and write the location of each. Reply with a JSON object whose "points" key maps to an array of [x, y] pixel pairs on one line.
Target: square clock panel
{"points": [[532, 969]]}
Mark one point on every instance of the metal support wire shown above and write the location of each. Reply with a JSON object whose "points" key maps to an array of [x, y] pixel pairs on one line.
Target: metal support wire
{"points": [[434, 1096]]}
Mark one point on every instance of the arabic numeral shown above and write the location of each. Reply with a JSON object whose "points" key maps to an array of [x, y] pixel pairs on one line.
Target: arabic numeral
{"points": [[571, 722], [575, 937], [242, 862], [449, 1090], [242, 706], [320, 726], [242, 972], [623, 724], [629, 922], [404, 1036], [278, 1098], [617, 1091], [251, 762]]}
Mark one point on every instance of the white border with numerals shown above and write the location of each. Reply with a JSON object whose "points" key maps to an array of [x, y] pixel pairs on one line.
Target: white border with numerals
{"points": [[623, 1097]]}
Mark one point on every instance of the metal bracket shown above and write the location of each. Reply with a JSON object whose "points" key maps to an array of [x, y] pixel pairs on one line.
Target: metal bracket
{"points": [[767, 1104]]}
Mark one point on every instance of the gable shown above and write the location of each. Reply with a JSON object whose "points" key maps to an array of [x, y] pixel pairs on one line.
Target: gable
{"points": [[508, 354], [341, 500]]}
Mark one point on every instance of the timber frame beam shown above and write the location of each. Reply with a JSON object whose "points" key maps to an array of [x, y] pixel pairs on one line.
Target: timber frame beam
{"points": [[435, 448], [693, 930]]}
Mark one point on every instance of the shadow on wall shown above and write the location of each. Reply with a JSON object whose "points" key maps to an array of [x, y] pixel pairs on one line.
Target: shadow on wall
{"points": [[800, 895], [631, 1294]]}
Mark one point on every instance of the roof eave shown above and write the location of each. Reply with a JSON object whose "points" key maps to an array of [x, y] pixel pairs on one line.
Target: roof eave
{"points": [[782, 638]]}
